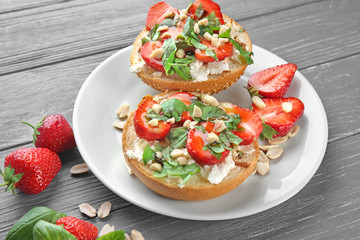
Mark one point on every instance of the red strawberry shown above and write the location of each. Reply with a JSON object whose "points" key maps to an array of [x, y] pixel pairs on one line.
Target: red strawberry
{"points": [[185, 98], [53, 132], [196, 140], [82, 230], [157, 14], [146, 51], [274, 115], [142, 127], [30, 169], [273, 82], [209, 7], [250, 123], [223, 51]]}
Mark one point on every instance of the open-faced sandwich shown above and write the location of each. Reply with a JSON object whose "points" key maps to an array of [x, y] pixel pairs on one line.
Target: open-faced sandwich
{"points": [[197, 49], [189, 146]]}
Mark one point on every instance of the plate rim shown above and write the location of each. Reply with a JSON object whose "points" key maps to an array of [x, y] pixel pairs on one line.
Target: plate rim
{"points": [[100, 175]]}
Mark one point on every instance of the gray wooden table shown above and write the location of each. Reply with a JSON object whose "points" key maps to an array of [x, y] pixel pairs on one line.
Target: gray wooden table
{"points": [[49, 47]]}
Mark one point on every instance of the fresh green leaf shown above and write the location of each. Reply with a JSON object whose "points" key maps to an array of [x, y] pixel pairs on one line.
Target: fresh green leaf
{"points": [[199, 11], [170, 48], [116, 235], [47, 231], [208, 111], [211, 53], [228, 137], [23, 228], [225, 34], [213, 21], [267, 132], [152, 115], [148, 154], [174, 108], [211, 149], [177, 137], [183, 72], [243, 53], [169, 22], [198, 45], [233, 122], [153, 33], [188, 27]]}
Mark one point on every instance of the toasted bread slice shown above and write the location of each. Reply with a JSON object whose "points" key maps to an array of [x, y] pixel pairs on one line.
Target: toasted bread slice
{"points": [[215, 82], [198, 187]]}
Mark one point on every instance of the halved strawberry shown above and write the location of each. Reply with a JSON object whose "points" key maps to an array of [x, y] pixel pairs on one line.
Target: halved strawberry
{"points": [[209, 6], [185, 98], [146, 51], [157, 14], [142, 127], [273, 82], [195, 143], [250, 123], [223, 51], [274, 115]]}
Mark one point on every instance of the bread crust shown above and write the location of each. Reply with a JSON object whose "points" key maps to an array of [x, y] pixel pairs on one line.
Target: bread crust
{"points": [[197, 188], [215, 82]]}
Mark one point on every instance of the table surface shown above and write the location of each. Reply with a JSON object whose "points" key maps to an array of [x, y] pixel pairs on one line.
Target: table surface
{"points": [[49, 47]]}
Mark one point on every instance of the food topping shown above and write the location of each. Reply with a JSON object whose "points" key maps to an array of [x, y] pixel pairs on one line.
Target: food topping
{"points": [[197, 132], [178, 39]]}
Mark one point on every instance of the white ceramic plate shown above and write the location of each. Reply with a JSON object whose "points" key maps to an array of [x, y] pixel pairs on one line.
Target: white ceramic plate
{"points": [[111, 84]]}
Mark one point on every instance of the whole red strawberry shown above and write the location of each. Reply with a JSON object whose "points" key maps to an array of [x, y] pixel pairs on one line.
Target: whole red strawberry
{"points": [[30, 169], [53, 132], [82, 230]]}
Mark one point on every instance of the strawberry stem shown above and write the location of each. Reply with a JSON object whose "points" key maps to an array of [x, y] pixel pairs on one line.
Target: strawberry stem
{"points": [[10, 178], [36, 131]]}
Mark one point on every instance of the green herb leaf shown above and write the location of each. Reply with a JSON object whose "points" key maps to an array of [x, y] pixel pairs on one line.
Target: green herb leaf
{"points": [[208, 111], [199, 11], [44, 230], [169, 22], [214, 151], [211, 53], [177, 137], [116, 235], [233, 122], [153, 33], [170, 48], [23, 228], [213, 21], [267, 132], [228, 137], [225, 34], [148, 154], [243, 53], [188, 27], [174, 108], [198, 45]]}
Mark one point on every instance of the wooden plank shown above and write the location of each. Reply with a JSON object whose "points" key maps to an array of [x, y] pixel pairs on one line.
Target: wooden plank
{"points": [[327, 208], [42, 36], [61, 83]]}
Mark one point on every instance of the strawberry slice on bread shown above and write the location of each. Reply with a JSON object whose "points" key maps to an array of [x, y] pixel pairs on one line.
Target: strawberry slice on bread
{"points": [[280, 113], [158, 13], [273, 82]]}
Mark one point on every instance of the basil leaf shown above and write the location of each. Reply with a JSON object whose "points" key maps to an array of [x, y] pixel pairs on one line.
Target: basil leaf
{"points": [[178, 137], [233, 122], [174, 108], [198, 45], [169, 22], [211, 53], [188, 27], [216, 154], [148, 154], [213, 21], [116, 235], [245, 54], [183, 71], [169, 47], [48, 231], [23, 228], [152, 115], [227, 137], [199, 11], [225, 34], [153, 33], [267, 132], [208, 111]]}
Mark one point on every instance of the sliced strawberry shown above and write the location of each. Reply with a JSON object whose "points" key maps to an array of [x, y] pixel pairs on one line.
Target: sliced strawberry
{"points": [[173, 31], [273, 82], [274, 115], [146, 51], [157, 14], [209, 6], [250, 123], [142, 127], [223, 51], [197, 140], [185, 98]]}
